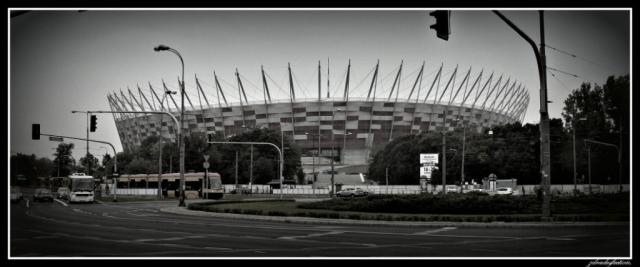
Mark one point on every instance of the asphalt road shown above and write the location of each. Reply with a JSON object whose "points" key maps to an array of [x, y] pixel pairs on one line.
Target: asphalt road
{"points": [[140, 229]]}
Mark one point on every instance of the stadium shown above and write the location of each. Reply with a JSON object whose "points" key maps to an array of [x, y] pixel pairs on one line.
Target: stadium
{"points": [[347, 125]]}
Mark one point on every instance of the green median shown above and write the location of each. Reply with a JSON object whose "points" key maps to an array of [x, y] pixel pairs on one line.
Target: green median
{"points": [[428, 208]]}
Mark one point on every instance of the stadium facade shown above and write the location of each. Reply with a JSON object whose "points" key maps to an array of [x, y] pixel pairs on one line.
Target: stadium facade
{"points": [[349, 128]]}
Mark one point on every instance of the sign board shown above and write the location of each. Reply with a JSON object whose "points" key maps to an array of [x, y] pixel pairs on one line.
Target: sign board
{"points": [[428, 162], [206, 157], [205, 165], [55, 138]]}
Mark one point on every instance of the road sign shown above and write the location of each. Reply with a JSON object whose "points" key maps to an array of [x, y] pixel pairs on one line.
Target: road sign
{"points": [[205, 165], [428, 163], [56, 138], [206, 157]]}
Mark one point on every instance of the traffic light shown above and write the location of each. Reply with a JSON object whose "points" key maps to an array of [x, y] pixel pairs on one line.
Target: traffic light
{"points": [[35, 131], [442, 23], [94, 122]]}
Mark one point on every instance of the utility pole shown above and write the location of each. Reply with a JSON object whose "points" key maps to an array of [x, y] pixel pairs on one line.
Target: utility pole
{"points": [[545, 147], [575, 182], [589, 166], [87, 156], [464, 134], [251, 169], [444, 151], [386, 175], [236, 169]]}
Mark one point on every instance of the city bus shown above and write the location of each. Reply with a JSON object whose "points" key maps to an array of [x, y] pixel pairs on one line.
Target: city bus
{"points": [[80, 188]]}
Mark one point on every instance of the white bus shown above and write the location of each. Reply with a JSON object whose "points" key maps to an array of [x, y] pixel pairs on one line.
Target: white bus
{"points": [[81, 188]]}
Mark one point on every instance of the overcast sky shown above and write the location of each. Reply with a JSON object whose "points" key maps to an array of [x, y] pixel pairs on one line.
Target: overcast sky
{"points": [[65, 60]]}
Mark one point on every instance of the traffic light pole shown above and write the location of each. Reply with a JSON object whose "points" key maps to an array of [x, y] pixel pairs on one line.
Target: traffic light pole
{"points": [[545, 147], [87, 155], [181, 203]]}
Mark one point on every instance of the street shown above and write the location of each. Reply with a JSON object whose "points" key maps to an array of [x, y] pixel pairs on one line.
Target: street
{"points": [[141, 229]]}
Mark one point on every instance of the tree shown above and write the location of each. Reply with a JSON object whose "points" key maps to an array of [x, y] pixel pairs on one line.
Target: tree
{"points": [[605, 109], [63, 160], [141, 166], [89, 163], [265, 157]]}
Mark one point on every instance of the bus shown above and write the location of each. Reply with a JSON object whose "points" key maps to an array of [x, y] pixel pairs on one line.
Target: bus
{"points": [[80, 188]]}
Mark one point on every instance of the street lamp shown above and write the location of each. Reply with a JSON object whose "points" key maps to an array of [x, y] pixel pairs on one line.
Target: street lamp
{"points": [[464, 134], [575, 183], [180, 141]]}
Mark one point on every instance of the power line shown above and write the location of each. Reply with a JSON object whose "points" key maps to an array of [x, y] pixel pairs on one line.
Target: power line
{"points": [[564, 72], [574, 56], [567, 88]]}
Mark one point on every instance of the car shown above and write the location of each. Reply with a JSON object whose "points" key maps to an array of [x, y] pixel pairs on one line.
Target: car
{"points": [[16, 194], [352, 192], [42, 194], [63, 193], [453, 189], [504, 191], [476, 190]]}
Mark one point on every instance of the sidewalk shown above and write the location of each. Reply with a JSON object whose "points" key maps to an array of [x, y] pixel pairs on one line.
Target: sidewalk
{"points": [[311, 220]]}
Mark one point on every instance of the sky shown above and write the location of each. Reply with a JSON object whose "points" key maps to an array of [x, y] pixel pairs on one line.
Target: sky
{"points": [[63, 60]]}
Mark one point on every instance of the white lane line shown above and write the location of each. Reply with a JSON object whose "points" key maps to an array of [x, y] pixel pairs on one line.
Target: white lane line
{"points": [[61, 202], [435, 231], [45, 237], [311, 235]]}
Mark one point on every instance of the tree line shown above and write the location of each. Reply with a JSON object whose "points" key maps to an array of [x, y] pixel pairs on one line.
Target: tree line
{"points": [[594, 112], [144, 159]]}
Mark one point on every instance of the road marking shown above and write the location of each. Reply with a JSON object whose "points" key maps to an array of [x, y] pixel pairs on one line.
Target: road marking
{"points": [[61, 202], [311, 235], [45, 237], [435, 231]]}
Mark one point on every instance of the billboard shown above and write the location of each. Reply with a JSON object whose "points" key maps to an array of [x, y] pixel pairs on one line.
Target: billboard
{"points": [[428, 162]]}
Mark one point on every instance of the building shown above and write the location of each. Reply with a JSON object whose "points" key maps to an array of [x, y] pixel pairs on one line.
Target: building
{"points": [[344, 127]]}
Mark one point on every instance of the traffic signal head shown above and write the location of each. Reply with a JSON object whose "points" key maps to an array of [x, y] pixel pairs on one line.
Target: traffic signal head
{"points": [[35, 131], [442, 23], [94, 122]]}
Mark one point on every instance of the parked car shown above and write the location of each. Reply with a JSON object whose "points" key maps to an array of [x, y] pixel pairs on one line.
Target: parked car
{"points": [[453, 189], [479, 190], [63, 193], [42, 194], [16, 194], [504, 191], [352, 192]]}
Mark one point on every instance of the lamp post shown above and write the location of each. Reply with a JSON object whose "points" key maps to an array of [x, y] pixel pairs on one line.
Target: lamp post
{"points": [[464, 134], [575, 177], [180, 137]]}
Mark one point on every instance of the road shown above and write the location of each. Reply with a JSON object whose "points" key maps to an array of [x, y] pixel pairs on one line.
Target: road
{"points": [[141, 229]]}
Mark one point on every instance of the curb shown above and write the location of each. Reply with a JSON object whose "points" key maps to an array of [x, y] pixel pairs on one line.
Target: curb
{"points": [[310, 220]]}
